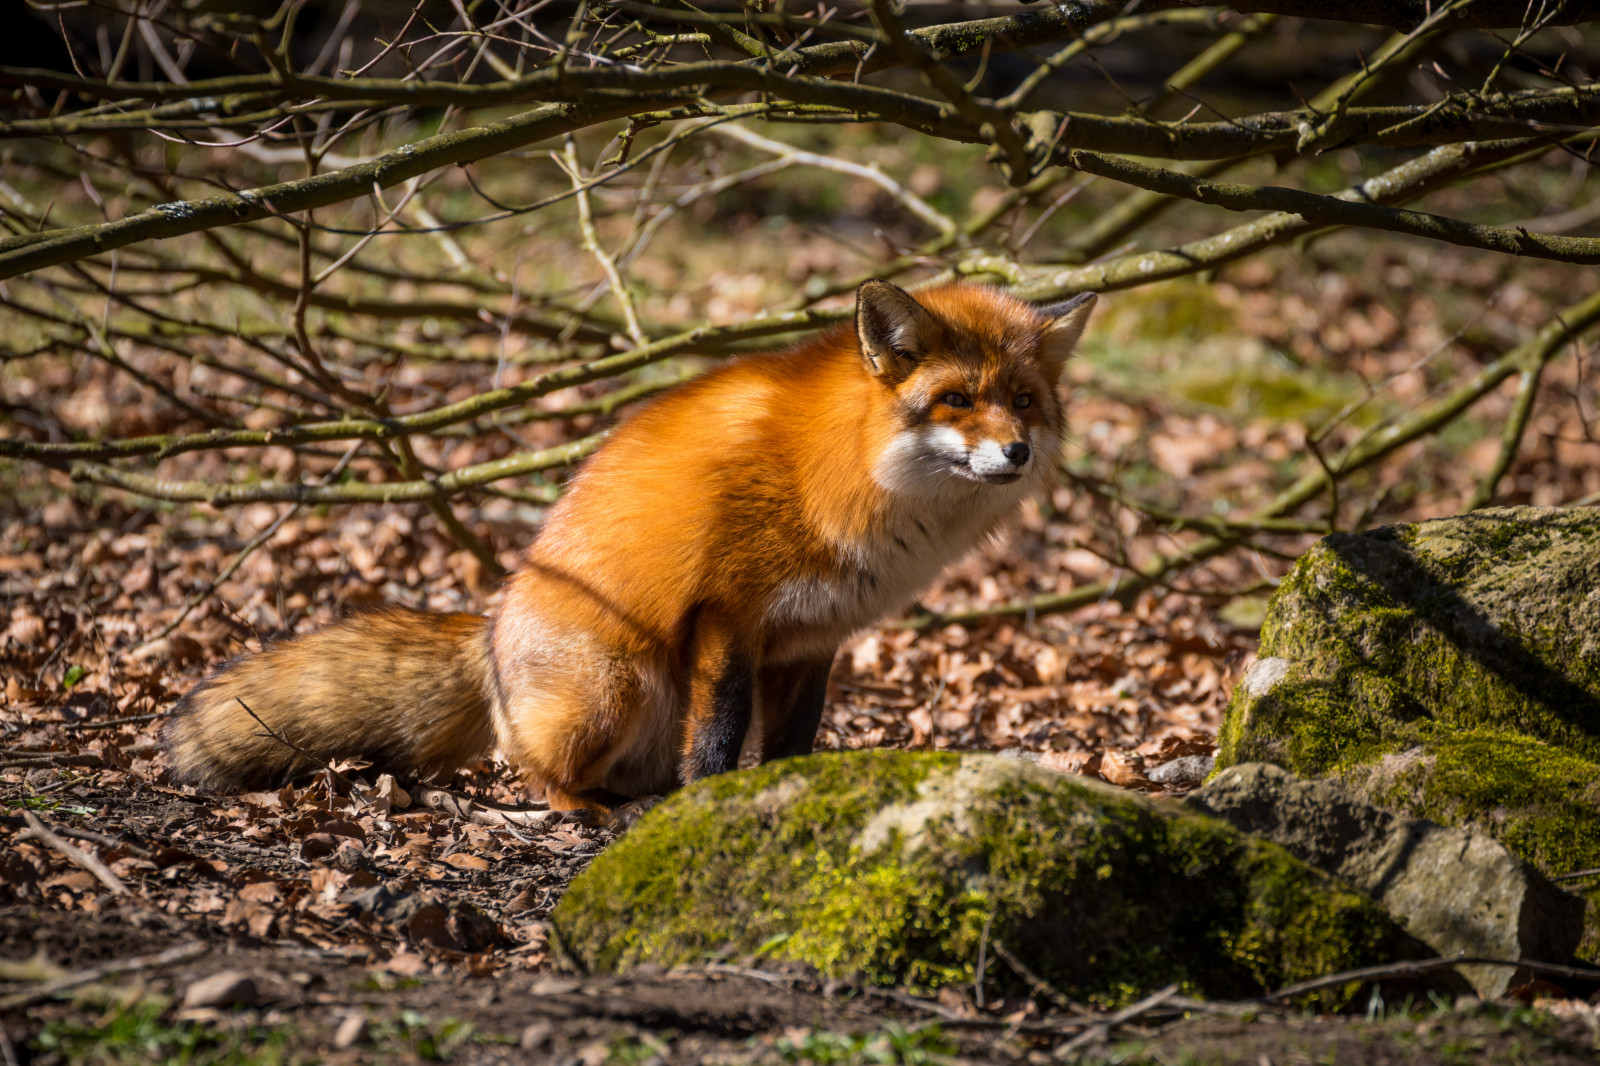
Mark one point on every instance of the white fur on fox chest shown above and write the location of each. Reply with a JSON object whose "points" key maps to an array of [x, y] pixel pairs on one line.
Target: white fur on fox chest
{"points": [[884, 573]]}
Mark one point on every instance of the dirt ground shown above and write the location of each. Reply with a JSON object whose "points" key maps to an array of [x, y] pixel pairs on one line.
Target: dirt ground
{"points": [[305, 1000], [352, 955], [429, 929], [372, 930]]}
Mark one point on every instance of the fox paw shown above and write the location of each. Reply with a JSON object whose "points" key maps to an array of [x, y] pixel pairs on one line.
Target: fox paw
{"points": [[623, 817]]}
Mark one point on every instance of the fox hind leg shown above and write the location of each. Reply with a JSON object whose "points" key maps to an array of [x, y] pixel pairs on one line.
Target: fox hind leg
{"points": [[792, 699]]}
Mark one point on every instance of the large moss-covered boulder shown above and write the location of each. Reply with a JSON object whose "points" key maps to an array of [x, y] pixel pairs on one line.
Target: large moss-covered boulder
{"points": [[894, 866], [1449, 669]]}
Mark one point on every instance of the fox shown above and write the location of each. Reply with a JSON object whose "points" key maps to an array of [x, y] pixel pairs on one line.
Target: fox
{"points": [[688, 592]]}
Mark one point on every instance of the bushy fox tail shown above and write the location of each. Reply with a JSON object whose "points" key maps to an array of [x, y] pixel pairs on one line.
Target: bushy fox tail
{"points": [[408, 690]]}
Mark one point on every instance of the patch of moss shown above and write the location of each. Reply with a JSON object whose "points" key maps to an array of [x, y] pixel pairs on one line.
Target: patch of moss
{"points": [[1455, 665], [773, 823], [893, 867], [1467, 623]]}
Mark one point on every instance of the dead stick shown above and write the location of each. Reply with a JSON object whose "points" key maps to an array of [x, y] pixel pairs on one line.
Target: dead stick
{"points": [[43, 759], [105, 840], [113, 723], [445, 802], [297, 749], [37, 830], [1413, 967], [1127, 1014], [115, 968], [1040, 986]]}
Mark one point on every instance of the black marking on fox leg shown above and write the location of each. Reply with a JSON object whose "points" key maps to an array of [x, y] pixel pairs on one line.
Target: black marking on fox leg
{"points": [[798, 734], [900, 541], [716, 744], [920, 527]]}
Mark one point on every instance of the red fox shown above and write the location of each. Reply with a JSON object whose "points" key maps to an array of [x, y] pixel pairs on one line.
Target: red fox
{"points": [[697, 576]]}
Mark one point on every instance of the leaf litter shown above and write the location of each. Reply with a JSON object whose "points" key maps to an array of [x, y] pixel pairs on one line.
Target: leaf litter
{"points": [[343, 893]]}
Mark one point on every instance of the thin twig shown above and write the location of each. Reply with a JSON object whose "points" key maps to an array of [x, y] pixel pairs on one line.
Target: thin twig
{"points": [[286, 742], [38, 830], [1339, 211], [983, 961], [105, 840], [18, 760], [114, 968], [114, 723], [1040, 986], [1100, 1029], [1510, 439], [591, 241], [8, 1051], [233, 564], [1414, 967], [534, 816]]}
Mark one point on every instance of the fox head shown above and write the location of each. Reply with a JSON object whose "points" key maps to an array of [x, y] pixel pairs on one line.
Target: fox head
{"points": [[973, 375]]}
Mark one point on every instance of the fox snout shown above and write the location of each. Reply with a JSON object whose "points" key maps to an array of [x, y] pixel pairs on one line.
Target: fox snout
{"points": [[993, 459]]}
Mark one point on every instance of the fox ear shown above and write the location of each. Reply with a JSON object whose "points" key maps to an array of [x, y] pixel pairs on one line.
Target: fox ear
{"points": [[894, 330], [1065, 326]]}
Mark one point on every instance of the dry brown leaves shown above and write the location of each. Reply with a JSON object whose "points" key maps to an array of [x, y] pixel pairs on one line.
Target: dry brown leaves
{"points": [[1112, 690]]}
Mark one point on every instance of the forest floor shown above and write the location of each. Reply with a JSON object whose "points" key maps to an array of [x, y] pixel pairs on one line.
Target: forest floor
{"points": [[430, 930]]}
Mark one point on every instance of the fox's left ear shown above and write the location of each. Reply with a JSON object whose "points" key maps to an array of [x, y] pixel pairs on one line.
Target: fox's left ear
{"points": [[1065, 326], [894, 330]]}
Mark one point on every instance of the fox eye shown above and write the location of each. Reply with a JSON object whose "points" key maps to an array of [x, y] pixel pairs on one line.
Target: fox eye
{"points": [[955, 399], [1023, 400]]}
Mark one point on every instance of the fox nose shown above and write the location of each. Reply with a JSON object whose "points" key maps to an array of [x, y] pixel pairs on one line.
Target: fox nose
{"points": [[1016, 452]]}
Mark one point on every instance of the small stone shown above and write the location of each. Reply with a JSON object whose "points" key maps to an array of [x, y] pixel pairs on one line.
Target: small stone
{"points": [[352, 1031], [1187, 772], [230, 988], [536, 1035], [1264, 675]]}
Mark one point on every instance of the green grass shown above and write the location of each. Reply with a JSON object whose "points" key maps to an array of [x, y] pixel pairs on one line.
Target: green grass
{"points": [[894, 1044], [426, 1039], [41, 803], [138, 1036]]}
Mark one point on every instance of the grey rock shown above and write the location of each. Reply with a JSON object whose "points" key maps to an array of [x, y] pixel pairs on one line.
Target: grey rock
{"points": [[1447, 670], [1186, 772], [1458, 891]]}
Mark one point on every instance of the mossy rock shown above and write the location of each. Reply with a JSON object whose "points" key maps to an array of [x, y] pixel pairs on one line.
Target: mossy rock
{"points": [[1451, 669], [890, 867]]}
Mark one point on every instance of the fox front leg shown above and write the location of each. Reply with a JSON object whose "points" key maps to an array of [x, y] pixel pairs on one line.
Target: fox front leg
{"points": [[792, 698], [721, 695]]}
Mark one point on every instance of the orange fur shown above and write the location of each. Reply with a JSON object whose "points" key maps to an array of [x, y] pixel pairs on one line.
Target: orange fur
{"points": [[696, 578]]}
